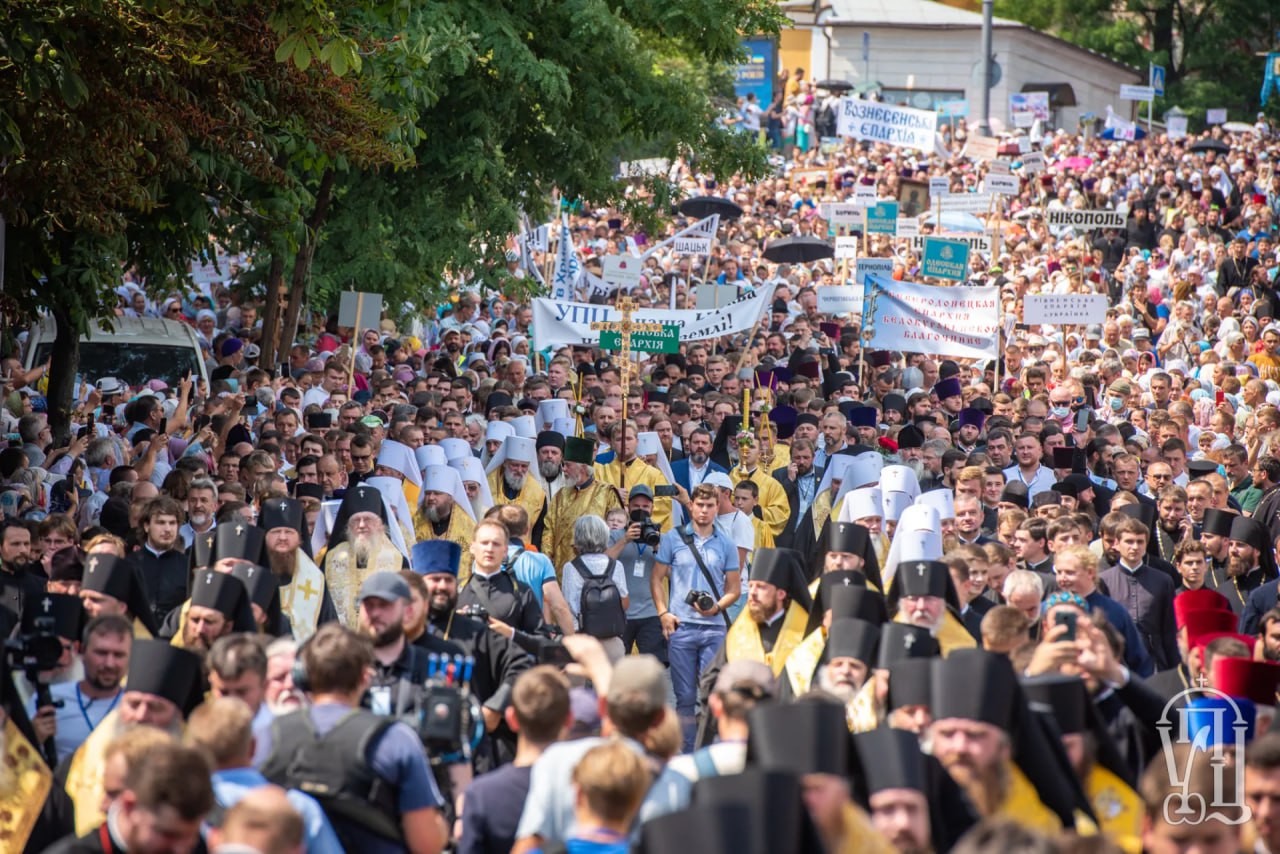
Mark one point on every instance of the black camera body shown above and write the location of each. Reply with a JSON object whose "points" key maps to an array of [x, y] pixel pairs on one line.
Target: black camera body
{"points": [[650, 533], [474, 611], [37, 650], [700, 599]]}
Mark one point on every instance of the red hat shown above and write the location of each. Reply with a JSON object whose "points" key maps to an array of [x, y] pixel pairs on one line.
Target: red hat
{"points": [[1205, 640], [1243, 677], [1198, 600], [1206, 622]]}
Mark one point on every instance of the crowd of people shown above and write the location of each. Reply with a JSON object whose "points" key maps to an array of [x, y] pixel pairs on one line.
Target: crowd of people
{"points": [[431, 585]]}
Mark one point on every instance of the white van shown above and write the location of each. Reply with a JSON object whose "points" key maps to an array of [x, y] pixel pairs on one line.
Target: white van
{"points": [[136, 349]]}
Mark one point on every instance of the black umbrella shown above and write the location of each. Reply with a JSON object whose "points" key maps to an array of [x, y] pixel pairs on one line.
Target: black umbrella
{"points": [[1210, 144], [705, 206], [798, 250], [835, 85]]}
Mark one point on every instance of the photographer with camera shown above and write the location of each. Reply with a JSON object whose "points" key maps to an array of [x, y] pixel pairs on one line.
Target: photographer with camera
{"points": [[498, 661], [702, 565], [636, 547], [495, 589], [380, 800]]}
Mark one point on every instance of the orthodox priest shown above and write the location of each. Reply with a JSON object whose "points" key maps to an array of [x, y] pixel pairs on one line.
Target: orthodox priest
{"points": [[445, 513], [358, 547], [582, 495], [304, 596]]}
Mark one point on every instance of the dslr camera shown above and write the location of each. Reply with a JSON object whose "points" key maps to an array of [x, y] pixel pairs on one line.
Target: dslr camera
{"points": [[650, 533], [700, 599], [474, 611]]}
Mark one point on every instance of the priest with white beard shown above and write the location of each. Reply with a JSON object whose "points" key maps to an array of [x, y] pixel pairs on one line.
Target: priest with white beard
{"points": [[510, 483], [358, 547]]}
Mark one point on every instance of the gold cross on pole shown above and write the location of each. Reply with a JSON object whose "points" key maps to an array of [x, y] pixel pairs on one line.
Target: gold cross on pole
{"points": [[625, 306]]}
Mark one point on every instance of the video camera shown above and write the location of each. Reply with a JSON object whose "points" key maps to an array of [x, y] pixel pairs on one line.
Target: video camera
{"points": [[444, 713]]}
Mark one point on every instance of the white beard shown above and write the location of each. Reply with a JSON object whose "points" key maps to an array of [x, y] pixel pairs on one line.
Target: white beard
{"points": [[515, 484], [845, 692]]}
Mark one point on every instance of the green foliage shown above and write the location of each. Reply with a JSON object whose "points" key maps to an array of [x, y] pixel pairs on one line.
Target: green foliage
{"points": [[1207, 48], [522, 101]]}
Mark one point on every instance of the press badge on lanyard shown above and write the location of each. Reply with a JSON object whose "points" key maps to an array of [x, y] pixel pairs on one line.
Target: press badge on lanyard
{"points": [[380, 700]]}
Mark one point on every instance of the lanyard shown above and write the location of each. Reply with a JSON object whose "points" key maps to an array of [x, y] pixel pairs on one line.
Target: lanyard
{"points": [[84, 709]]}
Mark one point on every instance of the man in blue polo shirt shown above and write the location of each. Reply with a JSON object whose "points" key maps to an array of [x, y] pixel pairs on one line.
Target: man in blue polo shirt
{"points": [[694, 631]]}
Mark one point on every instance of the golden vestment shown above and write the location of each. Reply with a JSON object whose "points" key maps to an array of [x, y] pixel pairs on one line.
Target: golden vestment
{"points": [[569, 505], [461, 530], [344, 578]]}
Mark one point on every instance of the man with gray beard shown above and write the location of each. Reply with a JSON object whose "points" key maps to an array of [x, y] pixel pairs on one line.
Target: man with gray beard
{"points": [[583, 495], [550, 469], [443, 513], [358, 547], [850, 652], [510, 483]]}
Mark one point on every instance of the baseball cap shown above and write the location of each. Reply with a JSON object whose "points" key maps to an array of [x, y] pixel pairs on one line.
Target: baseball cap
{"points": [[640, 489], [718, 479], [747, 677], [384, 585], [636, 680]]}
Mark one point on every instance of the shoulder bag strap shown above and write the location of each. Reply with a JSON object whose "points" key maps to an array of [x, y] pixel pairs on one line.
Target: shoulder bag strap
{"points": [[706, 574]]}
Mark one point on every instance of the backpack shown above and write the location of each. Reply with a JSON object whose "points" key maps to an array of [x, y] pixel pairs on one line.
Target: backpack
{"points": [[600, 611], [335, 769]]}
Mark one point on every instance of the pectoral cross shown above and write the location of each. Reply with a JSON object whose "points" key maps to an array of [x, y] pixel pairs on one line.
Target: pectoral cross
{"points": [[625, 306], [307, 590]]}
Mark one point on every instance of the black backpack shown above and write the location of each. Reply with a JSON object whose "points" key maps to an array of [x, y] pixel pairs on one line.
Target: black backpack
{"points": [[600, 611]]}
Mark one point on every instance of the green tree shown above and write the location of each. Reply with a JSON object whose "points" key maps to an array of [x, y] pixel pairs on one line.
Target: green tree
{"points": [[130, 130], [1208, 49], [519, 102]]}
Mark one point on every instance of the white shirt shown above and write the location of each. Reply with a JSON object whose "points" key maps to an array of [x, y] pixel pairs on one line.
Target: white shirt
{"points": [[738, 528]]}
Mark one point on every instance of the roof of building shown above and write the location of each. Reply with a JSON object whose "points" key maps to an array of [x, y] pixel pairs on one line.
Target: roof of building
{"points": [[927, 14]]}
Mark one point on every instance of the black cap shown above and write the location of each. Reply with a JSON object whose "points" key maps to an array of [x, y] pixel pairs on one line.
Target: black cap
{"points": [[282, 513], [54, 612], [237, 539], [201, 550], [549, 439], [1069, 458], [308, 490], [910, 683], [226, 594], [1063, 696], [891, 759], [910, 436], [714, 829], [975, 685], [896, 402], [1218, 522], [784, 569], [156, 667], [845, 594], [800, 738], [496, 399], [319, 420], [113, 576], [1144, 513], [259, 583], [902, 641], [850, 637], [1250, 531], [1201, 468], [923, 578], [1015, 493], [848, 538], [776, 818]]}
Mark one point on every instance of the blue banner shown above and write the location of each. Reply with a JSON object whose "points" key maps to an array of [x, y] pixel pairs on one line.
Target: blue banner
{"points": [[758, 72], [1272, 79]]}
